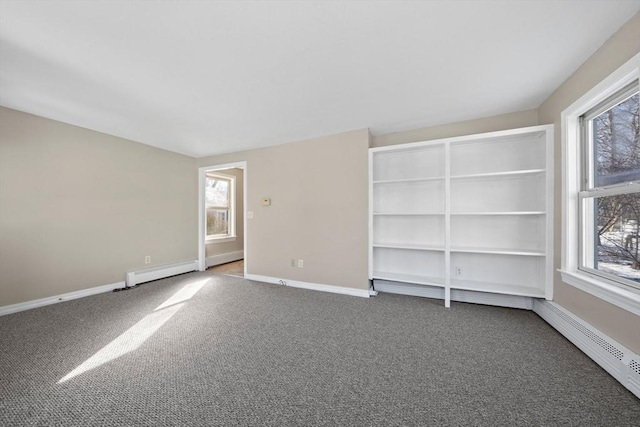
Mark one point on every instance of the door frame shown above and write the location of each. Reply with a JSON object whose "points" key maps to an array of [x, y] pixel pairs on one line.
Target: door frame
{"points": [[202, 256]]}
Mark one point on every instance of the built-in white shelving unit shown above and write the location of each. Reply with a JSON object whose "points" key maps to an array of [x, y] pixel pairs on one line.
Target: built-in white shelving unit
{"points": [[472, 213]]}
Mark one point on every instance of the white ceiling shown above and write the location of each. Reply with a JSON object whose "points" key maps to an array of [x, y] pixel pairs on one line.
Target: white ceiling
{"points": [[204, 78]]}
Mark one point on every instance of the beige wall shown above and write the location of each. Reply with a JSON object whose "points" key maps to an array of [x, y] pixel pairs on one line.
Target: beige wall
{"points": [[318, 213], [518, 119], [80, 208], [617, 323], [226, 247]]}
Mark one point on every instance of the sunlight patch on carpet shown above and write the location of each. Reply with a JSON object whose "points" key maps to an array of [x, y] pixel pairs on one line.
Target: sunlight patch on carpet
{"points": [[183, 294], [135, 336]]}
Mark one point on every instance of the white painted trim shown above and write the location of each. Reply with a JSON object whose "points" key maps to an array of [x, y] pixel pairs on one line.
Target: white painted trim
{"points": [[447, 225], [569, 119], [612, 356], [629, 299], [202, 261], [133, 278], [201, 218], [224, 258], [370, 216], [550, 210], [465, 138], [28, 305], [460, 295], [311, 286], [214, 240]]}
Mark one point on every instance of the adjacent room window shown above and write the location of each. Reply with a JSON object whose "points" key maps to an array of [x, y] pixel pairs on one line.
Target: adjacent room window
{"points": [[219, 206], [609, 196]]}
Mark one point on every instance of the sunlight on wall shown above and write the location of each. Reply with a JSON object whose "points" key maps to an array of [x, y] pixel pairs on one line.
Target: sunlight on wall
{"points": [[135, 336]]}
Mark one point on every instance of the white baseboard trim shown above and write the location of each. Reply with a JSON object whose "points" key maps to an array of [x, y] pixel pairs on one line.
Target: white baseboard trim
{"points": [[224, 258], [620, 362], [133, 278], [436, 292], [28, 305], [312, 286]]}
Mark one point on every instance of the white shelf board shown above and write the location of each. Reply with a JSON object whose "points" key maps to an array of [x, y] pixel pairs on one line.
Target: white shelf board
{"points": [[497, 288], [407, 214], [499, 174], [409, 180], [409, 278], [498, 251], [412, 246], [498, 213], [511, 135]]}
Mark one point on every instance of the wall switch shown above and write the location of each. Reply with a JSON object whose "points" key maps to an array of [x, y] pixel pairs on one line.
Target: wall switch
{"points": [[147, 259], [265, 201], [293, 262], [249, 214], [458, 271], [300, 263]]}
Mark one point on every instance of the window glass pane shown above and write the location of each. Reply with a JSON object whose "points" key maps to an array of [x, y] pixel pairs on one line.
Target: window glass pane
{"points": [[217, 192], [217, 221], [616, 235], [616, 144]]}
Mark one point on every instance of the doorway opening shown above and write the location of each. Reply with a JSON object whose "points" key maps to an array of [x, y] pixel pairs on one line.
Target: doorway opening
{"points": [[222, 232]]}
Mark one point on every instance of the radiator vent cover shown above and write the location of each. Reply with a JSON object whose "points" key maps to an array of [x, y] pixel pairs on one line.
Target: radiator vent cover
{"points": [[620, 362], [596, 338]]}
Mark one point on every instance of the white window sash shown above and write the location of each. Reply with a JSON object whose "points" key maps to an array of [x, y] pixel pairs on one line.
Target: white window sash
{"points": [[230, 235]]}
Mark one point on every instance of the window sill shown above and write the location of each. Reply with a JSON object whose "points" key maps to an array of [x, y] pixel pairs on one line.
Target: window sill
{"points": [[210, 240], [627, 299]]}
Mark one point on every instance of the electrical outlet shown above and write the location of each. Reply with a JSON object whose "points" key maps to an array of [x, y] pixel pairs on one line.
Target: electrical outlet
{"points": [[293, 262], [458, 271], [300, 263], [147, 259]]}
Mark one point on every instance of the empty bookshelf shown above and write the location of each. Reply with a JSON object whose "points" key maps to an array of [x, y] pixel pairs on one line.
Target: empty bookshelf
{"points": [[471, 214]]}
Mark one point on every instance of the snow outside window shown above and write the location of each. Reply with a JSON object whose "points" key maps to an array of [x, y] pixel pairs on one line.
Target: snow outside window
{"points": [[609, 200]]}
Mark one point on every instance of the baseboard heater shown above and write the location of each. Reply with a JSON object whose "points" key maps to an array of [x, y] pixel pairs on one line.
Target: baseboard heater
{"points": [[134, 278], [620, 362]]}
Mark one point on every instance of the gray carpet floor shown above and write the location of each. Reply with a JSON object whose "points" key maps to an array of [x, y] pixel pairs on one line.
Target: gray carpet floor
{"points": [[238, 352]]}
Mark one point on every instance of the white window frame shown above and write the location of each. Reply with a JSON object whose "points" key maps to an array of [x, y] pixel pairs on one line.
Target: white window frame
{"points": [[231, 235], [601, 287], [590, 191]]}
